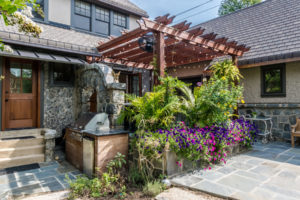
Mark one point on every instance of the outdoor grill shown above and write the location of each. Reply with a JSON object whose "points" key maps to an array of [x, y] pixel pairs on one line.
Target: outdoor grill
{"points": [[90, 143]]}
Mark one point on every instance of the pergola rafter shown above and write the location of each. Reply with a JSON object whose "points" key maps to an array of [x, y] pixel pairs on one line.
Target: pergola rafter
{"points": [[174, 45]]}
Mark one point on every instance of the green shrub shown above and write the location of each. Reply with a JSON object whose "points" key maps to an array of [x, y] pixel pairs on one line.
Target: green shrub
{"points": [[152, 189], [109, 183]]}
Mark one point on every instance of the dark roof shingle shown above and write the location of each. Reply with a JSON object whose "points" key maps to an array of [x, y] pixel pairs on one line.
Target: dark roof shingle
{"points": [[271, 29], [125, 5]]}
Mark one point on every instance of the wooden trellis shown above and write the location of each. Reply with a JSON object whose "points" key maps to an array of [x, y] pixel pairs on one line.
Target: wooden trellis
{"points": [[174, 45]]}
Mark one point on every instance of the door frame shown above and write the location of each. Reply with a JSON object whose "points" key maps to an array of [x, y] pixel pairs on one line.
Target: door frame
{"points": [[37, 65]]}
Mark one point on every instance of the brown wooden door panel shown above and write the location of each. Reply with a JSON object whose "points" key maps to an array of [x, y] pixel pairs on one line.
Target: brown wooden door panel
{"points": [[21, 109], [20, 94]]}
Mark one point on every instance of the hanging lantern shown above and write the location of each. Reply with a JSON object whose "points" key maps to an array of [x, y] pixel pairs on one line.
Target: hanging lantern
{"points": [[146, 43]]}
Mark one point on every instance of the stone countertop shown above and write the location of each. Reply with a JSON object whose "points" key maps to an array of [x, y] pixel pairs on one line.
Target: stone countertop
{"points": [[105, 133]]}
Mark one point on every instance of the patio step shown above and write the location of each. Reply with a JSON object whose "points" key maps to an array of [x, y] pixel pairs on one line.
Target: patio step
{"points": [[21, 151], [13, 143], [21, 160]]}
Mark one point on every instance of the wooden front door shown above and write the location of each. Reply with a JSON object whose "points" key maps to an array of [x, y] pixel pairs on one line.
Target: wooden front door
{"points": [[20, 94]]}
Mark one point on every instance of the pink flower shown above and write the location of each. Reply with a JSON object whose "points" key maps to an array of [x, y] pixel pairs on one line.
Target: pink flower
{"points": [[209, 168]]}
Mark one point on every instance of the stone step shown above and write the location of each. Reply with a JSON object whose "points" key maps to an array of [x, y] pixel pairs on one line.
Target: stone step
{"points": [[16, 143], [21, 151], [21, 160]]}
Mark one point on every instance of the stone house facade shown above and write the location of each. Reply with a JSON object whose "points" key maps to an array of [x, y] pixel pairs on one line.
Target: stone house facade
{"points": [[271, 68], [48, 83]]}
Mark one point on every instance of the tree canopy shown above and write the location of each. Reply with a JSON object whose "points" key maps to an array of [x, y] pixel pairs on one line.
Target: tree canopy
{"points": [[229, 6]]}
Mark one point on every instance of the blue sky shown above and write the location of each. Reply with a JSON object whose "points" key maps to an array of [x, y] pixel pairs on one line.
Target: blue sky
{"points": [[201, 14]]}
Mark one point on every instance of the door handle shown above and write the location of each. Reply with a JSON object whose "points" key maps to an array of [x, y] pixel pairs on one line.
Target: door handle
{"points": [[6, 100]]}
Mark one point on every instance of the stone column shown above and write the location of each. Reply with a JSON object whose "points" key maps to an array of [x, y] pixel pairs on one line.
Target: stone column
{"points": [[50, 136], [116, 93]]}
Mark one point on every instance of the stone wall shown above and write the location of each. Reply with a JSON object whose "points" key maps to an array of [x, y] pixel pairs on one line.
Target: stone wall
{"points": [[59, 103], [63, 105], [283, 116]]}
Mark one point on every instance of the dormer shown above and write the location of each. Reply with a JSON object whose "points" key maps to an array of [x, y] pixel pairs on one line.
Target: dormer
{"points": [[100, 17]]}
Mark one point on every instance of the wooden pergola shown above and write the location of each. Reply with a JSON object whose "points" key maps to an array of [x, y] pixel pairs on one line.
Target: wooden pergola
{"points": [[174, 45]]}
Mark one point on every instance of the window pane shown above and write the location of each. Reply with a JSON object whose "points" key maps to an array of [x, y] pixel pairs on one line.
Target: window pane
{"points": [[273, 81], [62, 73], [26, 73], [102, 14], [82, 8], [15, 85], [15, 72], [119, 19], [34, 13], [135, 85], [27, 86]]}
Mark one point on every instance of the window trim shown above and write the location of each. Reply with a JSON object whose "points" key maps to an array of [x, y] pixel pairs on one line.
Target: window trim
{"points": [[120, 14], [93, 19], [46, 13], [264, 69], [80, 14], [100, 14], [53, 83]]}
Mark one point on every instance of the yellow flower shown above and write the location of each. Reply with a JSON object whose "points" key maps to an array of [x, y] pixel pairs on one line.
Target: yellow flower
{"points": [[223, 78], [243, 101]]}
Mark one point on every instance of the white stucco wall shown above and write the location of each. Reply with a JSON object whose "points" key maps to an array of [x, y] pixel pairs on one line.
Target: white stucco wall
{"points": [[132, 22], [60, 11], [252, 85]]}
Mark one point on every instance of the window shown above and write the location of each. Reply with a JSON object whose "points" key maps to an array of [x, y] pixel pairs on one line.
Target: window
{"points": [[82, 15], [20, 78], [273, 81], [82, 8], [35, 14], [61, 74], [102, 14], [119, 19]]}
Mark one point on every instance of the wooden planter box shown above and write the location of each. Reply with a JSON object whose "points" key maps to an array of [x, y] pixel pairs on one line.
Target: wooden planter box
{"points": [[171, 168]]}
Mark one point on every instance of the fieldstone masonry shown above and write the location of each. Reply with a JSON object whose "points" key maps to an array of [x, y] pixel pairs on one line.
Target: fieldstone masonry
{"points": [[283, 116], [58, 105], [63, 105]]}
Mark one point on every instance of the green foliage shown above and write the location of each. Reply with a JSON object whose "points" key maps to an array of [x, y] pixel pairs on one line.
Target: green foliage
{"points": [[229, 6], [109, 183], [215, 102], [154, 188], [8, 11], [8, 7], [226, 69], [155, 109]]}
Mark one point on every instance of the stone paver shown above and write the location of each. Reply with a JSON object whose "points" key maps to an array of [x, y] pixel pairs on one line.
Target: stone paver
{"points": [[181, 194], [270, 171], [50, 177]]}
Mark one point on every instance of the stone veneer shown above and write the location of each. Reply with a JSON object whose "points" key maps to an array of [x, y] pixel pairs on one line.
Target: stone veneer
{"points": [[64, 104], [58, 104], [283, 116]]}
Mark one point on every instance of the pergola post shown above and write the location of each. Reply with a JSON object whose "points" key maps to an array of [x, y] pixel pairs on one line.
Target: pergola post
{"points": [[160, 52], [235, 60]]}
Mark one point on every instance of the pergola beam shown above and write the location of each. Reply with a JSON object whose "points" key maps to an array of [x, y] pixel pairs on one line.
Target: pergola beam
{"points": [[190, 37], [174, 45]]}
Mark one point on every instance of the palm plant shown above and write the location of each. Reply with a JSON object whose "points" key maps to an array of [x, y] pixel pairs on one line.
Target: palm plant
{"points": [[155, 109]]}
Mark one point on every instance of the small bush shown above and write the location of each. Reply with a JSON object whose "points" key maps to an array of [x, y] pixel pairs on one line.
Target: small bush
{"points": [[152, 189], [109, 183]]}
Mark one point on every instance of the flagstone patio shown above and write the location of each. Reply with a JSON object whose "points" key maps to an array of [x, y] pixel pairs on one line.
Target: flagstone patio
{"points": [[48, 177], [270, 171]]}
